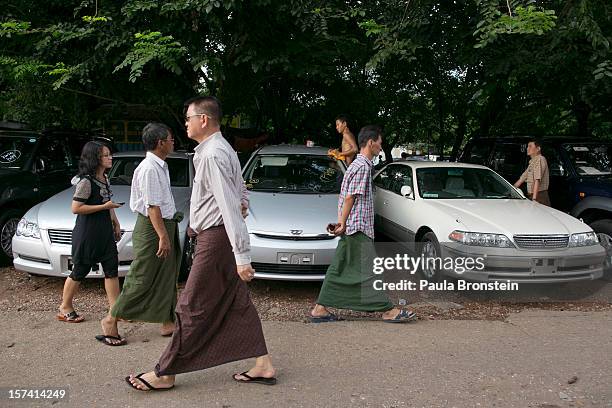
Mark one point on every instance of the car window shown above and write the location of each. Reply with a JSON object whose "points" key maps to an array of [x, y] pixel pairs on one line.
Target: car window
{"points": [[55, 155], [294, 173], [477, 152], [15, 151], [453, 182], [509, 158], [123, 169], [555, 165], [383, 179], [394, 177], [590, 159]]}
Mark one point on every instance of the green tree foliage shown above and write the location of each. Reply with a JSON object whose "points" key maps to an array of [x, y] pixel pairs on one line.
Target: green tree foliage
{"points": [[435, 71]]}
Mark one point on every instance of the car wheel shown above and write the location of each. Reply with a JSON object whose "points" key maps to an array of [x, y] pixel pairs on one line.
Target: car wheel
{"points": [[8, 227], [603, 228], [430, 248], [187, 259]]}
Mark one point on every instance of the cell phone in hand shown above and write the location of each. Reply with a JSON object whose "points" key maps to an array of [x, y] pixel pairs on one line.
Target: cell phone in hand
{"points": [[331, 227], [121, 203]]}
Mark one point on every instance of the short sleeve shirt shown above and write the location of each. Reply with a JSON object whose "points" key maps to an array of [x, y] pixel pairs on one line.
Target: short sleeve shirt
{"points": [[536, 170], [357, 182]]}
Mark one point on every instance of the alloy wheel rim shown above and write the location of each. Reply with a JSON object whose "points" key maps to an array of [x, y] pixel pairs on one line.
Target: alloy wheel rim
{"points": [[429, 251], [8, 230]]}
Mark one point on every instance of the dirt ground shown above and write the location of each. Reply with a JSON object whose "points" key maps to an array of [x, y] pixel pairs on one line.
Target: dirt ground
{"points": [[291, 301]]}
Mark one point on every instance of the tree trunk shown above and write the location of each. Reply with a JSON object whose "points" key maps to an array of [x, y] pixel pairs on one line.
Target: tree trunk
{"points": [[582, 111], [459, 135]]}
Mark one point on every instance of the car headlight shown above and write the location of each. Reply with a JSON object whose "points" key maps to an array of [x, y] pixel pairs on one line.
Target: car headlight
{"points": [[27, 229], [481, 239], [583, 239]]}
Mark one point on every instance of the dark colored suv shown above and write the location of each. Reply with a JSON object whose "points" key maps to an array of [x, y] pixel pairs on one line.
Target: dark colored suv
{"points": [[33, 167], [580, 174]]}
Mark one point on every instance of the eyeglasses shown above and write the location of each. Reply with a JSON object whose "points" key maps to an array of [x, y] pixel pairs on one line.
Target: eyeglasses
{"points": [[195, 114]]}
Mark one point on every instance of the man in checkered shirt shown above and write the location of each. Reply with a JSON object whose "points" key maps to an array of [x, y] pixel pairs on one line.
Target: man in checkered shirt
{"points": [[349, 279]]}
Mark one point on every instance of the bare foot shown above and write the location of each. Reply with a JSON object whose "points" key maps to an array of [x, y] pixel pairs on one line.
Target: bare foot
{"points": [[319, 311], [167, 329], [109, 328], [165, 381]]}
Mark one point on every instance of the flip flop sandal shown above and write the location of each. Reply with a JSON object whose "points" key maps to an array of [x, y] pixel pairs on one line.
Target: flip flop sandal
{"points": [[72, 317], [149, 386], [327, 318], [256, 380], [106, 340], [402, 317]]}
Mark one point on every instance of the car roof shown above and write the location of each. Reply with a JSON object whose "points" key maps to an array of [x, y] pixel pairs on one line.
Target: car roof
{"points": [[143, 153], [293, 149], [417, 164], [20, 133]]}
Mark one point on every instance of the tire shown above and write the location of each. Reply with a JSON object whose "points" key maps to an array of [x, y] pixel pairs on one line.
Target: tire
{"points": [[8, 226], [187, 259], [429, 247], [603, 228]]}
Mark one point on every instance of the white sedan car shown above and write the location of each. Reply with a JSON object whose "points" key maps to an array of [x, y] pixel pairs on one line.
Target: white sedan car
{"points": [[455, 210], [43, 241]]}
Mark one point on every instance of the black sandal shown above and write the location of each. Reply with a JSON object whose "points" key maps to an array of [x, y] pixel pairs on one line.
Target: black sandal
{"points": [[146, 383], [106, 340], [257, 380]]}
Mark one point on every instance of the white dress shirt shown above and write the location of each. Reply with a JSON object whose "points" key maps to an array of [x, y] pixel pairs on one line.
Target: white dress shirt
{"points": [[151, 187], [218, 190]]}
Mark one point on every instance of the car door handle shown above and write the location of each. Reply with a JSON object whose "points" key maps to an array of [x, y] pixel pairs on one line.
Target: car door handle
{"points": [[385, 202]]}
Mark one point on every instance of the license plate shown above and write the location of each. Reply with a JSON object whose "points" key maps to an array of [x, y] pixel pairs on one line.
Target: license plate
{"points": [[291, 258], [543, 266], [96, 270]]}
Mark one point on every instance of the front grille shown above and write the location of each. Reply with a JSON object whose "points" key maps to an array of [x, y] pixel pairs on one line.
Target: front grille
{"points": [[541, 241], [295, 237], [290, 269], [60, 236], [64, 237]]}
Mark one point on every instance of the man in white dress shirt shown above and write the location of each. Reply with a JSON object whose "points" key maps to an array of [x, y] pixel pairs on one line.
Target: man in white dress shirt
{"points": [[217, 322], [149, 292]]}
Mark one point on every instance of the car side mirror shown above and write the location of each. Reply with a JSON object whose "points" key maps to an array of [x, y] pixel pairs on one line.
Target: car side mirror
{"points": [[518, 190], [407, 192]]}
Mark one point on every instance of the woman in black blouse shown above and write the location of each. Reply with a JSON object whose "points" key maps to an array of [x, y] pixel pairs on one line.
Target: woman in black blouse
{"points": [[94, 236]]}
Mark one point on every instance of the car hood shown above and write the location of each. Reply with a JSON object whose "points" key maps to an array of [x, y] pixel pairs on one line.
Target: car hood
{"points": [[281, 213], [55, 213], [509, 217]]}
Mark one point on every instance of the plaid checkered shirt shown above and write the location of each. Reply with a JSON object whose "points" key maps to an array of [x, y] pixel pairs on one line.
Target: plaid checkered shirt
{"points": [[357, 182]]}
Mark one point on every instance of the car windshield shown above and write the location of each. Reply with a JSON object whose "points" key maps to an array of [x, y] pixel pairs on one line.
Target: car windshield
{"points": [[590, 159], [294, 174], [123, 170], [15, 151], [453, 182]]}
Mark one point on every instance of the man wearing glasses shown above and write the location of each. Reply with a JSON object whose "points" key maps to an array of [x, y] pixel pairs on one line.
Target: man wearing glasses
{"points": [[216, 321], [149, 291]]}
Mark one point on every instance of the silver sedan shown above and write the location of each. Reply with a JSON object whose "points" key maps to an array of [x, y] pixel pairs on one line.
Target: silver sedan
{"points": [[293, 196], [42, 243]]}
